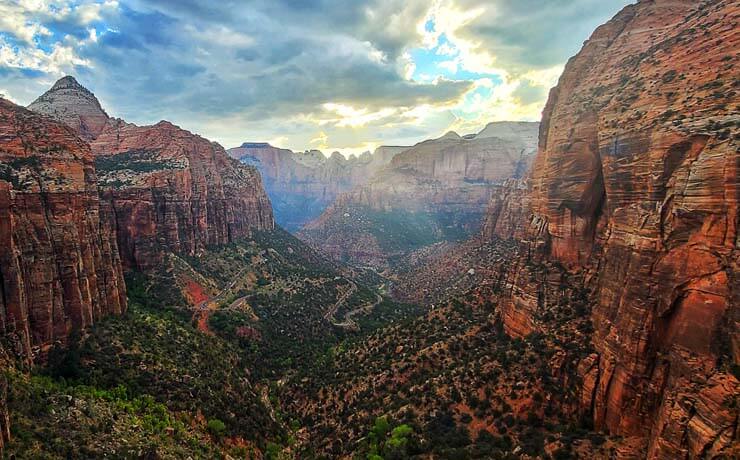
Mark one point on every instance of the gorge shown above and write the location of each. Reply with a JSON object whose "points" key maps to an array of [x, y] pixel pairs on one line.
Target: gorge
{"points": [[558, 289]]}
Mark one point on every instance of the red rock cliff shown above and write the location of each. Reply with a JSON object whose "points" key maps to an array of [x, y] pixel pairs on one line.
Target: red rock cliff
{"points": [[164, 188], [59, 263], [171, 189], [636, 183]]}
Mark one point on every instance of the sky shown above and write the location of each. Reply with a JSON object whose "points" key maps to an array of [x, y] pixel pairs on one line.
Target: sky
{"points": [[340, 75]]}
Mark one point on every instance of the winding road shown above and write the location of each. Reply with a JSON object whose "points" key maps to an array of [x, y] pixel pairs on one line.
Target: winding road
{"points": [[204, 309], [348, 321]]}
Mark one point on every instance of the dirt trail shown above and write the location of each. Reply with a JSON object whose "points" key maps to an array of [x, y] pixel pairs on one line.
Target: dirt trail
{"points": [[349, 321]]}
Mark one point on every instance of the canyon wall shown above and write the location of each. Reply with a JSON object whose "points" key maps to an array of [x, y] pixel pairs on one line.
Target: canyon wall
{"points": [[59, 264], [434, 191], [302, 184], [172, 190], [636, 186], [452, 172], [164, 188]]}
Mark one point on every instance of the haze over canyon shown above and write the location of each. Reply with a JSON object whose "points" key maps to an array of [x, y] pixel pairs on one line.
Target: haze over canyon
{"points": [[409, 249]]}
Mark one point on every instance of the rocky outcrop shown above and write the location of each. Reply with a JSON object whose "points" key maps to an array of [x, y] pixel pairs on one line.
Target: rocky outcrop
{"points": [[74, 105], [636, 186], [302, 184], [5, 363], [163, 188], [59, 263], [439, 188], [172, 190]]}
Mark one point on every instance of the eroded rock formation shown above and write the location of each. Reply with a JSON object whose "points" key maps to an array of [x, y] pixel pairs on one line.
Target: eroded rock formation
{"points": [[636, 185], [59, 264], [172, 190], [436, 190], [302, 184], [164, 188], [74, 105]]}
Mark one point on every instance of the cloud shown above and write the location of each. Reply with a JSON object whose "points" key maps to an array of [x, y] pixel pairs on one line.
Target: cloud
{"points": [[359, 73]]}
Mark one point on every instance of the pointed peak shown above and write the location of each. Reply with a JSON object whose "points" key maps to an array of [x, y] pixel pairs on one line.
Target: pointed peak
{"points": [[451, 135], [73, 104], [67, 82], [166, 124]]}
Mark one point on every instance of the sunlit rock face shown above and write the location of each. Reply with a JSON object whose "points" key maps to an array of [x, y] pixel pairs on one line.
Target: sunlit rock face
{"points": [[301, 185], [636, 184], [59, 264], [436, 190], [165, 188]]}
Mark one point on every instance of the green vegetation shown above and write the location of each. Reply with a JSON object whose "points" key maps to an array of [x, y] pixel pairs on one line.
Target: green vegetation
{"points": [[384, 443], [137, 160], [54, 419], [216, 427], [403, 231], [279, 322], [447, 375], [154, 352], [274, 371]]}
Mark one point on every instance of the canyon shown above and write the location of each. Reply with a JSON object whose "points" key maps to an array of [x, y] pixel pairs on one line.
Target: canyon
{"points": [[634, 191], [302, 184], [436, 190], [562, 289]]}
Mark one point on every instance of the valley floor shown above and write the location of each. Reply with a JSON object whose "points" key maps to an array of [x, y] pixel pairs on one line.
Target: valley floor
{"points": [[263, 349]]}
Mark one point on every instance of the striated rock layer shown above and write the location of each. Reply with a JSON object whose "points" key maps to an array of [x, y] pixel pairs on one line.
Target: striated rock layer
{"points": [[636, 185], [172, 190], [59, 263], [436, 190], [74, 105], [164, 188], [302, 185]]}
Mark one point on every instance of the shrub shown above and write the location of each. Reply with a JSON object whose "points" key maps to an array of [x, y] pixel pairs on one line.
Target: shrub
{"points": [[216, 427]]}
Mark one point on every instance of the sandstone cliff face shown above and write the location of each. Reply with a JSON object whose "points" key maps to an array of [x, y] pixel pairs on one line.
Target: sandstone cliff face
{"points": [[59, 263], [440, 187], [301, 185], [163, 188], [169, 189], [636, 185]]}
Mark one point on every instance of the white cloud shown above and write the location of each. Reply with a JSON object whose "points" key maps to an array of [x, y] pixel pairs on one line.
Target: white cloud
{"points": [[15, 19], [220, 34], [354, 117], [320, 141], [59, 60]]}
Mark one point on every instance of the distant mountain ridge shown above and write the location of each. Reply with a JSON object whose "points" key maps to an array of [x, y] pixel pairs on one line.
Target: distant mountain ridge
{"points": [[435, 190], [302, 184]]}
